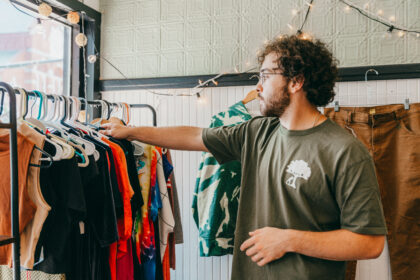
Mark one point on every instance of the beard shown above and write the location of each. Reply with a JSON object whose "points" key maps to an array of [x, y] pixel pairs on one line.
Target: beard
{"points": [[277, 104]]}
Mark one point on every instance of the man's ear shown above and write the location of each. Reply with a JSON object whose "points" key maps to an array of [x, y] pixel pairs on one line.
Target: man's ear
{"points": [[296, 84]]}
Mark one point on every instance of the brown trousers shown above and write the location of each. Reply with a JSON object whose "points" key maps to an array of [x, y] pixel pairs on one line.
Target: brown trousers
{"points": [[392, 135]]}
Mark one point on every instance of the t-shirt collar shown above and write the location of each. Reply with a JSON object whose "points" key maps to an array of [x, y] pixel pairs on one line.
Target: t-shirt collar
{"points": [[308, 131]]}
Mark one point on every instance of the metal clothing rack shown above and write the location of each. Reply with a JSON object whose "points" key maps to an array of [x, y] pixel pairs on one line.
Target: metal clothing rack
{"points": [[14, 191], [110, 104], [99, 103]]}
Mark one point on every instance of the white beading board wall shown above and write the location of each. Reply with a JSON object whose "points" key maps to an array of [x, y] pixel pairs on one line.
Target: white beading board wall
{"points": [[158, 38], [187, 111]]}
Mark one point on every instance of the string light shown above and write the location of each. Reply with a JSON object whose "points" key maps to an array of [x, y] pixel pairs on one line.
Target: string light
{"points": [[310, 5], [401, 33], [44, 9], [92, 58], [294, 12], [376, 17], [347, 8], [73, 17], [81, 40]]}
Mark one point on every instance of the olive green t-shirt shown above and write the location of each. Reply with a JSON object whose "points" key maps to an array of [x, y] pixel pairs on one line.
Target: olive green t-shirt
{"points": [[319, 179]]}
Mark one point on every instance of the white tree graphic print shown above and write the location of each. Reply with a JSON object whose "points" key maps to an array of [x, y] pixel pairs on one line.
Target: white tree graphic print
{"points": [[299, 169]]}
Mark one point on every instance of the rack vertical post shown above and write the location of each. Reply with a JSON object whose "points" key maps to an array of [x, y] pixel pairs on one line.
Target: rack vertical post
{"points": [[14, 191]]}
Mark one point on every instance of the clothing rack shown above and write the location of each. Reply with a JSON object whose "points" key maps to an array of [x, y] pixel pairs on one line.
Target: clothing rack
{"points": [[100, 103], [110, 104], [14, 192]]}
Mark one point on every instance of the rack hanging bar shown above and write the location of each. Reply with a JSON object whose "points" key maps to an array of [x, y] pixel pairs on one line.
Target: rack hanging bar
{"points": [[98, 103], [146, 106], [14, 191]]}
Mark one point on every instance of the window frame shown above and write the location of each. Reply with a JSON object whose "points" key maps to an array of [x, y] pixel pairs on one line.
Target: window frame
{"points": [[92, 27]]}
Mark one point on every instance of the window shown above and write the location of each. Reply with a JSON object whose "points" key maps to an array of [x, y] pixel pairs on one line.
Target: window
{"points": [[33, 55]]}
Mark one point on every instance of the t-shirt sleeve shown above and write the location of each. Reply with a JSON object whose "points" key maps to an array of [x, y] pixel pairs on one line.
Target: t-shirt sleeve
{"points": [[225, 143], [357, 195]]}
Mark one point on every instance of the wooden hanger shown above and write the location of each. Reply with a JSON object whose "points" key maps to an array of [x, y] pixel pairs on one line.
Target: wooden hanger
{"points": [[252, 95]]}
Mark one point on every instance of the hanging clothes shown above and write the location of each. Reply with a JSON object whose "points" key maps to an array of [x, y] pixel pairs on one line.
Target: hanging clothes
{"points": [[27, 208], [98, 212], [125, 223], [392, 136], [166, 217], [175, 237], [30, 235], [216, 194], [61, 185]]}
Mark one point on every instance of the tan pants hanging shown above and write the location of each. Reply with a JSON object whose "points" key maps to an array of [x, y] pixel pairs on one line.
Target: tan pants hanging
{"points": [[392, 135]]}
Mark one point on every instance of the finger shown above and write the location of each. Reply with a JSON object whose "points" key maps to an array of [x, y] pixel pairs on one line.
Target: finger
{"points": [[106, 125], [106, 132], [257, 258], [248, 243], [263, 261], [252, 251], [252, 233]]}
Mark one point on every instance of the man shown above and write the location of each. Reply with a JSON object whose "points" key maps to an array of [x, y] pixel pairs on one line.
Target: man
{"points": [[309, 195]]}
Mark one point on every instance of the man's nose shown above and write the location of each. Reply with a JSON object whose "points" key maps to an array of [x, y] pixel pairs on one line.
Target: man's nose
{"points": [[259, 87]]}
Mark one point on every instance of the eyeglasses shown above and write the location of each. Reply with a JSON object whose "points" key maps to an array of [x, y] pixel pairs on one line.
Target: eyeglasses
{"points": [[264, 75]]}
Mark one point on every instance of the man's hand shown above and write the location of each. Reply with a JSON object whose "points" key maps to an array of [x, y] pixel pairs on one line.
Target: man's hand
{"points": [[266, 245], [117, 131]]}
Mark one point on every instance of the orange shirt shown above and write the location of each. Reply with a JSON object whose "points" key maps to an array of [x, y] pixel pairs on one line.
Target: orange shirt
{"points": [[125, 223], [26, 206]]}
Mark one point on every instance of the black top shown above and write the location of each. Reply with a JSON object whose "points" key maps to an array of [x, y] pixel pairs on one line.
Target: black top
{"points": [[62, 188]]}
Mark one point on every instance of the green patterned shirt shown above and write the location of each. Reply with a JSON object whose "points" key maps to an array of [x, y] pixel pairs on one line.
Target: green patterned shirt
{"points": [[216, 194]]}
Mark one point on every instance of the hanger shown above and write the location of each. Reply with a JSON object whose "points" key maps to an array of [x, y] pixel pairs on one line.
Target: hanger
{"points": [[49, 159], [2, 100], [23, 104], [127, 108], [252, 95], [336, 103], [105, 111], [41, 125]]}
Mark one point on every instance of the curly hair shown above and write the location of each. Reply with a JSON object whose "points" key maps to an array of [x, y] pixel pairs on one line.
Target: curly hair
{"points": [[308, 59]]}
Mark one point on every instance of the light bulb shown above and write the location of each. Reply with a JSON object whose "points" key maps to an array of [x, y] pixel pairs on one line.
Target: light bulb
{"points": [[44, 9], [380, 12], [401, 34], [290, 26], [294, 12], [392, 18], [309, 4], [92, 58], [73, 17], [81, 40], [347, 9]]}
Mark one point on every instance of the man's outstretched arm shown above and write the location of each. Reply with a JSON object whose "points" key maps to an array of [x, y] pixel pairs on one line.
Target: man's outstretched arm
{"points": [[268, 244], [178, 137]]}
